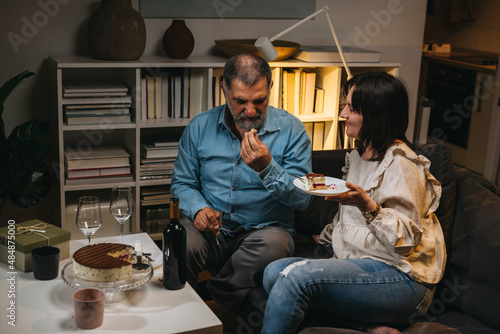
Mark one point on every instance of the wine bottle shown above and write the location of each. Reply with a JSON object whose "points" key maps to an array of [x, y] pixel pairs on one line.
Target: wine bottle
{"points": [[174, 250]]}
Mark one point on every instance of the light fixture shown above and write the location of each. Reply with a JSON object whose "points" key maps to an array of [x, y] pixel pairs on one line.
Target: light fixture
{"points": [[269, 53]]}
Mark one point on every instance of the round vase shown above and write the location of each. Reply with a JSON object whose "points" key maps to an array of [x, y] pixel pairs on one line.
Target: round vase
{"points": [[116, 31], [178, 41]]}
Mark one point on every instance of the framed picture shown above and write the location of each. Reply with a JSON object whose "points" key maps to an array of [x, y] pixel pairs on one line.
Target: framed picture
{"points": [[227, 9]]}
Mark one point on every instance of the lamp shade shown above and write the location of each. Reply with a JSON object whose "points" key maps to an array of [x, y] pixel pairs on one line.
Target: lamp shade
{"points": [[266, 48]]}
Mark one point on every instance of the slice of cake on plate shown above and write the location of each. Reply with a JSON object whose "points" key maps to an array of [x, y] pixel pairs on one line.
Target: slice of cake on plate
{"points": [[315, 181]]}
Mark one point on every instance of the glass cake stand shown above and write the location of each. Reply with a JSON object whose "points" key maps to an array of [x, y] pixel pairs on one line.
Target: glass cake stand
{"points": [[115, 291]]}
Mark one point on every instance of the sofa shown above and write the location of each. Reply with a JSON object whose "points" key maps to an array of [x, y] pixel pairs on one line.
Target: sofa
{"points": [[467, 300]]}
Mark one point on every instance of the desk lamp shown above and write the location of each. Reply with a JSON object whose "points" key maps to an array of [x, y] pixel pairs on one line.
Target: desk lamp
{"points": [[269, 53]]}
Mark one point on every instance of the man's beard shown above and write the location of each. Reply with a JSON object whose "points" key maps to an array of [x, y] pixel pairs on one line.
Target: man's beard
{"points": [[247, 123]]}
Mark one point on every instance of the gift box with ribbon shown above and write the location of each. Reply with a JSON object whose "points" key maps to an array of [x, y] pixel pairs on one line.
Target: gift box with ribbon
{"points": [[18, 240]]}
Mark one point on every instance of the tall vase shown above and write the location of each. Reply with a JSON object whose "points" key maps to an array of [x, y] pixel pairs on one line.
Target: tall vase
{"points": [[178, 41], [116, 31]]}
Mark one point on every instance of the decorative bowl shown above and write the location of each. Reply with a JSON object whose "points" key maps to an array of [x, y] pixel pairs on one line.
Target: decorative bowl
{"points": [[232, 47]]}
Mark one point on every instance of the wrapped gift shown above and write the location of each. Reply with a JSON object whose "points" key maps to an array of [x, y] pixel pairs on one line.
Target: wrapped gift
{"points": [[18, 240]]}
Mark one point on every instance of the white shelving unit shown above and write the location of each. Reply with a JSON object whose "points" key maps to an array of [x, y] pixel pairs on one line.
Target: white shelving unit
{"points": [[330, 77]]}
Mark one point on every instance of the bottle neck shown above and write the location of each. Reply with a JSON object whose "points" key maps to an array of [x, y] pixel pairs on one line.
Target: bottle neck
{"points": [[174, 210]]}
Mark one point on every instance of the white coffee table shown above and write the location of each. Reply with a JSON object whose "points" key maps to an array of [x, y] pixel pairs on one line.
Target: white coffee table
{"points": [[47, 306]]}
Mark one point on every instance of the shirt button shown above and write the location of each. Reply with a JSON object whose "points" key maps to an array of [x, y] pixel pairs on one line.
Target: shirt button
{"points": [[234, 188]]}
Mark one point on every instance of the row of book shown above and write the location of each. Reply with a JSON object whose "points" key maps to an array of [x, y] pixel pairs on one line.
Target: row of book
{"points": [[97, 165], [293, 90], [87, 103], [158, 154], [155, 208], [173, 93], [316, 132]]}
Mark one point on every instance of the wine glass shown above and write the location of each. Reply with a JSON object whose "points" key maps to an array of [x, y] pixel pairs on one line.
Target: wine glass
{"points": [[88, 216], [121, 205]]}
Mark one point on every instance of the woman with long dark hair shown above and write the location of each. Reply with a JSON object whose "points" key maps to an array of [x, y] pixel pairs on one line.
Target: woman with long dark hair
{"points": [[387, 244]]}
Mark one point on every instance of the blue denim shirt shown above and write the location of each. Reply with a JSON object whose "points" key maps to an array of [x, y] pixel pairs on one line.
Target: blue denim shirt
{"points": [[210, 172]]}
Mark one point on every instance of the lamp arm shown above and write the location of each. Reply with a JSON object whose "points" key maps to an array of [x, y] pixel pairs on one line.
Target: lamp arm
{"points": [[286, 31], [325, 10], [339, 47]]}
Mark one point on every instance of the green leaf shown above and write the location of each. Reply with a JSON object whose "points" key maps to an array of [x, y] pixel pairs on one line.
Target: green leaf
{"points": [[24, 176], [5, 91]]}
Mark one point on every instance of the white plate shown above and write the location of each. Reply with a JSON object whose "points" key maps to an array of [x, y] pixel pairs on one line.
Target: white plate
{"points": [[338, 186]]}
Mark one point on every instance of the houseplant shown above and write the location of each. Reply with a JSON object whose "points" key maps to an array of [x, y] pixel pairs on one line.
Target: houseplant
{"points": [[25, 177]]}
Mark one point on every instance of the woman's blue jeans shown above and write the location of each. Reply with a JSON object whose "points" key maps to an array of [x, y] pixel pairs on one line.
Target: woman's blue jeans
{"points": [[347, 293]]}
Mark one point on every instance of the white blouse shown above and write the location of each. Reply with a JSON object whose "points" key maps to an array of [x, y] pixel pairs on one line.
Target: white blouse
{"points": [[406, 233]]}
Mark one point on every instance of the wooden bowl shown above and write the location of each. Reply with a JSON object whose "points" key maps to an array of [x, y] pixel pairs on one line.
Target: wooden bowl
{"points": [[232, 47]]}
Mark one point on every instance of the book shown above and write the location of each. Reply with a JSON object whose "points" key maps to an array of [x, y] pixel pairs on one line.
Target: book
{"points": [[318, 136], [163, 141], [150, 91], [96, 157], [97, 119], [293, 91], [94, 172], [319, 100], [157, 97], [94, 94], [93, 87], [196, 93], [217, 80], [95, 112], [308, 93], [97, 100], [99, 179], [97, 106], [150, 151], [330, 53], [276, 93], [144, 99]]}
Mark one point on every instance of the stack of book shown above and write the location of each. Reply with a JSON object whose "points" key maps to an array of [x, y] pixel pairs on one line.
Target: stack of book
{"points": [[158, 157], [100, 164], [155, 208], [88, 103]]}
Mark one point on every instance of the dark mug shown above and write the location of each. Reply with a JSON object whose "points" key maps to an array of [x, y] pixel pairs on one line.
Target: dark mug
{"points": [[45, 262]]}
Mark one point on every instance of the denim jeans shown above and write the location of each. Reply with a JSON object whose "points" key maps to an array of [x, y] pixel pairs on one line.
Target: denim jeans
{"points": [[236, 260], [346, 293]]}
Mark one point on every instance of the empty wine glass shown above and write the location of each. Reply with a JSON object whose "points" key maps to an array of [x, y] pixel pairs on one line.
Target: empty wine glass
{"points": [[121, 205], [88, 216]]}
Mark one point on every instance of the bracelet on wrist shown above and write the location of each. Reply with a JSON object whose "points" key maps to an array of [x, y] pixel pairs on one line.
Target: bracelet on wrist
{"points": [[370, 215]]}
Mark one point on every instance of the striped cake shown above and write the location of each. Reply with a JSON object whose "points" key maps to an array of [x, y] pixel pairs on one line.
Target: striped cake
{"points": [[315, 181], [106, 262]]}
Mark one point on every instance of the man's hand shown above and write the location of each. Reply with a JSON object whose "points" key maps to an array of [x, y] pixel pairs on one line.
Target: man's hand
{"points": [[208, 219], [254, 153], [356, 196]]}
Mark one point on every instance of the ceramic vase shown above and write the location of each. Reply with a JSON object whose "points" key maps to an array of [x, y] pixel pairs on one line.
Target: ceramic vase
{"points": [[178, 41], [116, 31]]}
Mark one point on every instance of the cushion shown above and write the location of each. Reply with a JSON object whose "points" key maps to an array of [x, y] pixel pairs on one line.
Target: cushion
{"points": [[464, 174], [462, 322], [474, 261], [443, 170]]}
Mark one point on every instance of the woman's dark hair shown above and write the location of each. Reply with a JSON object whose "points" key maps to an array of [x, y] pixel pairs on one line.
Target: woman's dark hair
{"points": [[247, 68], [382, 100]]}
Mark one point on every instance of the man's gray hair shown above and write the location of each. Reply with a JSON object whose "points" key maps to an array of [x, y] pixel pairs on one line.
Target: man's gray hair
{"points": [[247, 68]]}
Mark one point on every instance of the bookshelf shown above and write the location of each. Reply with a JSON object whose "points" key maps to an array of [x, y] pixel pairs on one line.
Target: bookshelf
{"points": [[66, 69]]}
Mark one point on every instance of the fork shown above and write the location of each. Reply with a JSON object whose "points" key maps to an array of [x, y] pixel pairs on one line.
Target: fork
{"points": [[299, 178]]}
